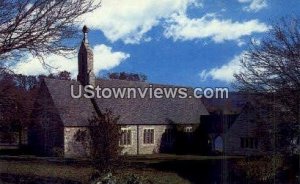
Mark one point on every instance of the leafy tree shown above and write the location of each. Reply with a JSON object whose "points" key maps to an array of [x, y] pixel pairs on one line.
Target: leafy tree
{"points": [[127, 76], [17, 97], [63, 75], [16, 103], [40, 27]]}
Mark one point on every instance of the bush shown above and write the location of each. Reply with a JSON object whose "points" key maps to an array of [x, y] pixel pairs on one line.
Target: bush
{"points": [[102, 139], [105, 179], [58, 152], [108, 178], [261, 169], [133, 179]]}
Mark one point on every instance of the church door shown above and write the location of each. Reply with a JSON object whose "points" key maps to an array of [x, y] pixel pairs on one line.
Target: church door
{"points": [[219, 144]]}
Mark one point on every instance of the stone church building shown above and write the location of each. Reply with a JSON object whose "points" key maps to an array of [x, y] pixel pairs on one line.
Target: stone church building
{"points": [[146, 123]]}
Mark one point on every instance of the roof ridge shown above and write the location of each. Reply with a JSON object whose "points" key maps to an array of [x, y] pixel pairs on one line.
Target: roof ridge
{"points": [[145, 83]]}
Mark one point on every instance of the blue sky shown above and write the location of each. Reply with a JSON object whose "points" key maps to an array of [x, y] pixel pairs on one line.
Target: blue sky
{"points": [[182, 42]]}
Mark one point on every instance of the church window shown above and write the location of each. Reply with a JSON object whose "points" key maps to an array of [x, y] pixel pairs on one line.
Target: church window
{"points": [[248, 142], [188, 129], [148, 136], [125, 137]]}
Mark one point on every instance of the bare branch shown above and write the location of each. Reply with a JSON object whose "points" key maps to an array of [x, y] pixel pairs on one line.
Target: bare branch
{"points": [[40, 27], [272, 68]]}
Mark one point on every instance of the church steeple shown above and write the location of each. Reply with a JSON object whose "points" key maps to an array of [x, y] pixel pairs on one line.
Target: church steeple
{"points": [[86, 74]]}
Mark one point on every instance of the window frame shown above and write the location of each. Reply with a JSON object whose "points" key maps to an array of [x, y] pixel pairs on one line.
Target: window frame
{"points": [[144, 136], [127, 130], [249, 142], [188, 129]]}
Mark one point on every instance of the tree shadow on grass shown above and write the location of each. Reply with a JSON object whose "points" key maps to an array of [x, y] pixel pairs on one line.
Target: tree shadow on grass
{"points": [[196, 171]]}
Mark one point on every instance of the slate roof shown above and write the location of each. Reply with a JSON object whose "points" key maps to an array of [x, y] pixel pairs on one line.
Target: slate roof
{"points": [[232, 105], [72, 112], [76, 112], [218, 123], [223, 112]]}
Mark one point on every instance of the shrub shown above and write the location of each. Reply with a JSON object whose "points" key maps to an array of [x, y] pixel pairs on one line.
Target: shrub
{"points": [[58, 152], [108, 178], [133, 179], [102, 140], [105, 179], [261, 169]]}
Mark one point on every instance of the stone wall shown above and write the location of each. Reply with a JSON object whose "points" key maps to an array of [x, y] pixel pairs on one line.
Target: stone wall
{"points": [[244, 126], [159, 130], [45, 134], [137, 139], [132, 148], [73, 148]]}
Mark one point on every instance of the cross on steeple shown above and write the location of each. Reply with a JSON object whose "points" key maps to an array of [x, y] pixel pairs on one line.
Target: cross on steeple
{"points": [[85, 31], [86, 74]]}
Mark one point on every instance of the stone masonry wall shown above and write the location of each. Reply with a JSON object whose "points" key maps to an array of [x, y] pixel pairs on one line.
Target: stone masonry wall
{"points": [[137, 139], [159, 130], [72, 148], [131, 149], [244, 126]]}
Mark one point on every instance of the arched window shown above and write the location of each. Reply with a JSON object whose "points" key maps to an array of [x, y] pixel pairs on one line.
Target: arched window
{"points": [[219, 144]]}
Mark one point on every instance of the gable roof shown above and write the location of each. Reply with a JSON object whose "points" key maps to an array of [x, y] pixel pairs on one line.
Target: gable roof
{"points": [[72, 112], [218, 123], [231, 105], [76, 112]]}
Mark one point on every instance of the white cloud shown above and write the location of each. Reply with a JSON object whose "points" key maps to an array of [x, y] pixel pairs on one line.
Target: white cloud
{"points": [[104, 59], [254, 5], [130, 20], [241, 43], [180, 27], [203, 75], [224, 73]]}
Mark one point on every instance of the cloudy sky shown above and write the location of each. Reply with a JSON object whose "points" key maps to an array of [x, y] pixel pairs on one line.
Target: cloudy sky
{"points": [[181, 42]]}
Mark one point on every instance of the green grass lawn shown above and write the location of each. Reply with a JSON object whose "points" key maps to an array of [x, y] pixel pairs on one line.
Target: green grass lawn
{"points": [[45, 169], [151, 168]]}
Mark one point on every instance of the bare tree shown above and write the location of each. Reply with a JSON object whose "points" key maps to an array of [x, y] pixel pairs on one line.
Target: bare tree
{"points": [[40, 26], [271, 74]]}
